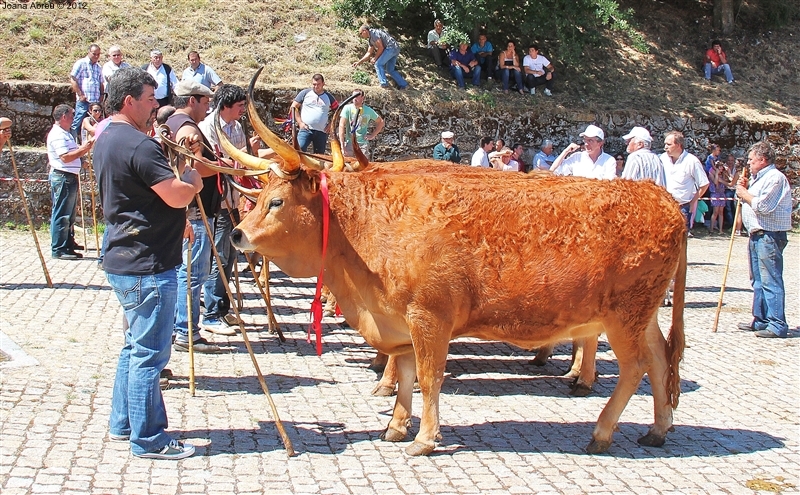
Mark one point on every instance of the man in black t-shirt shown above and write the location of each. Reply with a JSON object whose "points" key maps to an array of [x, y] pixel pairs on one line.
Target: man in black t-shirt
{"points": [[143, 205], [191, 101]]}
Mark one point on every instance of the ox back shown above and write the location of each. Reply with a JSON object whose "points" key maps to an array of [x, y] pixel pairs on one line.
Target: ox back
{"points": [[416, 260]]}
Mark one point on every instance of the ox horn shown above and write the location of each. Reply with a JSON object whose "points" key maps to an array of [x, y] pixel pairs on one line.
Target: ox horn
{"points": [[251, 194], [290, 156], [363, 161]]}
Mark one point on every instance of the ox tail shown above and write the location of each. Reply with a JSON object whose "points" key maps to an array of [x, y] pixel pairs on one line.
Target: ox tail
{"points": [[677, 338]]}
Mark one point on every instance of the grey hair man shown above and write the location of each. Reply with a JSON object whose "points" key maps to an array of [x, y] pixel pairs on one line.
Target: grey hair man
{"points": [[642, 163], [164, 76], [544, 159], [767, 216], [116, 61], [686, 178]]}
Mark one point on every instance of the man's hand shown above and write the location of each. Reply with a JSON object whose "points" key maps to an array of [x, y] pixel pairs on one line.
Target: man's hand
{"points": [[255, 143], [192, 176], [572, 148], [188, 232]]}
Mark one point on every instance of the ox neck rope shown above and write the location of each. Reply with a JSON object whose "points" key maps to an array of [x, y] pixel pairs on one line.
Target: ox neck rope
{"points": [[316, 305]]}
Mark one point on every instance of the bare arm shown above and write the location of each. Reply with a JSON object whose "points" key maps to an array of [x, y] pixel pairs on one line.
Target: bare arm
{"points": [[179, 193], [572, 148], [77, 152], [194, 141], [342, 129], [295, 108], [378, 128]]}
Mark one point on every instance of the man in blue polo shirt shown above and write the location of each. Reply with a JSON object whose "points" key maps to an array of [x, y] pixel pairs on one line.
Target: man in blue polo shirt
{"points": [[463, 63]]}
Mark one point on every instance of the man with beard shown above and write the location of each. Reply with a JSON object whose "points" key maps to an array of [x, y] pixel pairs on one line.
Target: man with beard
{"points": [[143, 204]]}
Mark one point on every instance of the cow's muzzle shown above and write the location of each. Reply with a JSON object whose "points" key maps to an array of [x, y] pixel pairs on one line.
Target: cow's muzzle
{"points": [[240, 241]]}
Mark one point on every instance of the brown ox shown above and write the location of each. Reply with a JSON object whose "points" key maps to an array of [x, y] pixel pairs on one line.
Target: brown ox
{"points": [[417, 260]]}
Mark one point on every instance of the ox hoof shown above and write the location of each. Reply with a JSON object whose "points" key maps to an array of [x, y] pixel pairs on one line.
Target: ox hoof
{"points": [[580, 390], [377, 368], [537, 361], [598, 446], [392, 435], [417, 449], [652, 440], [572, 374], [382, 391]]}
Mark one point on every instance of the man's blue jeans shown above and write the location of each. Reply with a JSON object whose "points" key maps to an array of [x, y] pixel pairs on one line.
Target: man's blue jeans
{"points": [[385, 65], [310, 136], [81, 111], [458, 73], [214, 294], [137, 407], [721, 69], [64, 197], [201, 266], [766, 276]]}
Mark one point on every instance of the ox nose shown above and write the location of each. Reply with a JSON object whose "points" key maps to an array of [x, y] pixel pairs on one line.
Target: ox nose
{"points": [[236, 237]]}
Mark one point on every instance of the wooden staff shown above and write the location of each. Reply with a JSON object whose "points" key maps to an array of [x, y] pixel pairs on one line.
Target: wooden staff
{"points": [[94, 205], [730, 250], [5, 124], [83, 210]]}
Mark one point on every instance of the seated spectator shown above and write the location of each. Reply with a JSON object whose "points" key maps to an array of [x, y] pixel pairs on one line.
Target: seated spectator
{"points": [[90, 121], [538, 71], [499, 144], [516, 162], [438, 50], [545, 157], [447, 150], [716, 62], [481, 156], [620, 159], [508, 67], [483, 50], [501, 160], [463, 63]]}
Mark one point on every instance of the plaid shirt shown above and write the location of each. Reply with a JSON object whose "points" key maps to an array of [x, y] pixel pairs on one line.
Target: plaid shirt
{"points": [[89, 77], [771, 207]]}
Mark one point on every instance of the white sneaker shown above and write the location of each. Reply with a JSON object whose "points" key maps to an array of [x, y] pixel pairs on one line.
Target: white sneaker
{"points": [[548, 92], [172, 451], [217, 327]]}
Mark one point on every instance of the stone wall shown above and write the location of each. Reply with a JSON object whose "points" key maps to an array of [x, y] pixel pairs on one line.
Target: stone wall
{"points": [[411, 131]]}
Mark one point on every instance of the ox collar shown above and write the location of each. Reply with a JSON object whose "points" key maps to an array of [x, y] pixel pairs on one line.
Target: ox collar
{"points": [[316, 305]]}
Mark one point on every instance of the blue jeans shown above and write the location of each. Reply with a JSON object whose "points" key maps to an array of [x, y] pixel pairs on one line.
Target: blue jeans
{"points": [[766, 275], [81, 111], [137, 407], [724, 68], [214, 294], [687, 213], [385, 64], [458, 73], [64, 196], [505, 75], [310, 136], [730, 206], [201, 266]]}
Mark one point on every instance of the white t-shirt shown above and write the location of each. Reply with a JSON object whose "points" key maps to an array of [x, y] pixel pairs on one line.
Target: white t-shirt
{"points": [[480, 158], [535, 64], [59, 142], [581, 165], [109, 68], [684, 177]]}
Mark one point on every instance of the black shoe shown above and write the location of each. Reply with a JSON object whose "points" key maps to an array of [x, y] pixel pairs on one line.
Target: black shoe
{"points": [[746, 327], [77, 247], [200, 345], [67, 256], [766, 334]]}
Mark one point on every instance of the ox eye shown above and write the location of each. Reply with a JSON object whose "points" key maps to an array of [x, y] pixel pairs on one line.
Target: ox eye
{"points": [[275, 203]]}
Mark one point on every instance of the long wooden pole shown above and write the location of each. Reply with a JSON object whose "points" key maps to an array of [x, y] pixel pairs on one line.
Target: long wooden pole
{"points": [[28, 215], [94, 204], [727, 265], [83, 209]]}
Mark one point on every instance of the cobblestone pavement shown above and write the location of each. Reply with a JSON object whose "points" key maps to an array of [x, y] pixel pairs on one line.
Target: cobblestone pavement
{"points": [[507, 427]]}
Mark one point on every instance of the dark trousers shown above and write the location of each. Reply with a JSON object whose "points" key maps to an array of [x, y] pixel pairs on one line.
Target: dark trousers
{"points": [[532, 81], [64, 196], [487, 65]]}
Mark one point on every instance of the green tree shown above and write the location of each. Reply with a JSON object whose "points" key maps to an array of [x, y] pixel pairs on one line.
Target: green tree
{"points": [[564, 28]]}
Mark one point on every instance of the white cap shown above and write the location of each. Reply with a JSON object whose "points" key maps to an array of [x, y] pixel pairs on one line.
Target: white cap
{"points": [[639, 133], [190, 87], [448, 135], [593, 131]]}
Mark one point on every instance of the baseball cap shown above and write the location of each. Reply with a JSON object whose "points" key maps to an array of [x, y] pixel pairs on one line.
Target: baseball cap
{"points": [[447, 135], [191, 88], [593, 131], [639, 133]]}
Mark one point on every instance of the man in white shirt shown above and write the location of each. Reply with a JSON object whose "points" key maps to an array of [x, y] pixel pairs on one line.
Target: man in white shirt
{"points": [[592, 163], [686, 178], [538, 71], [200, 72], [164, 76], [64, 156], [438, 50], [115, 62], [642, 163], [481, 156]]}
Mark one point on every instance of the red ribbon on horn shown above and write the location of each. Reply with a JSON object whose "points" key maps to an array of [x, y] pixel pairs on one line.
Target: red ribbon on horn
{"points": [[316, 305]]}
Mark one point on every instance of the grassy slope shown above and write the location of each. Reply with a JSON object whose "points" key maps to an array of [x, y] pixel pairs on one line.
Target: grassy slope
{"points": [[296, 39]]}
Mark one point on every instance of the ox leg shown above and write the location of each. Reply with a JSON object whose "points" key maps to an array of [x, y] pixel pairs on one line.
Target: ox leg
{"points": [[431, 362], [543, 354], [577, 359], [401, 416], [379, 362], [631, 370], [657, 373], [588, 370], [385, 387]]}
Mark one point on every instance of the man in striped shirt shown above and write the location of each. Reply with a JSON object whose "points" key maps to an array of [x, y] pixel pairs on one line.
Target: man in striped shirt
{"points": [[766, 213], [86, 79]]}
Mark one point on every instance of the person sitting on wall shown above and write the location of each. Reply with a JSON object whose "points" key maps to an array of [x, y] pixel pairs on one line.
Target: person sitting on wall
{"points": [[463, 63], [716, 62], [483, 51], [438, 50]]}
